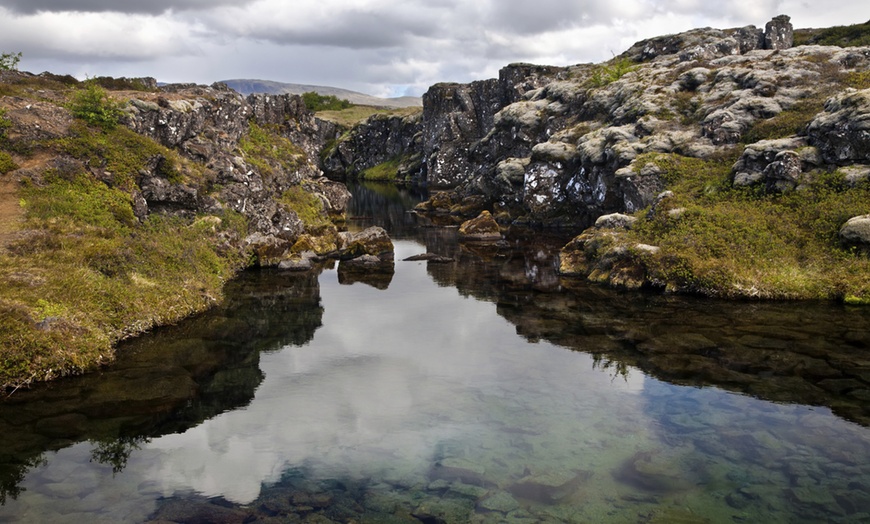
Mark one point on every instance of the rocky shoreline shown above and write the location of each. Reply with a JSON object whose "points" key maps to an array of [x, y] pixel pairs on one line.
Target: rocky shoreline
{"points": [[727, 163]]}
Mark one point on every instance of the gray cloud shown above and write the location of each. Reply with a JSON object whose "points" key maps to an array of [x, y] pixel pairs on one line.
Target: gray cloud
{"points": [[374, 46], [120, 6]]}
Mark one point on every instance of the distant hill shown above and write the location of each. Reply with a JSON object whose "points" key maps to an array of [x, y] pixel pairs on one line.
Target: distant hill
{"points": [[247, 86]]}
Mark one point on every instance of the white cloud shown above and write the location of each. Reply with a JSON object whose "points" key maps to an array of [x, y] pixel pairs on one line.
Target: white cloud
{"points": [[378, 46]]}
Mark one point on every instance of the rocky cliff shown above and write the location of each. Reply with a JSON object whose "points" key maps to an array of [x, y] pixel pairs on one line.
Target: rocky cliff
{"points": [[674, 130]]}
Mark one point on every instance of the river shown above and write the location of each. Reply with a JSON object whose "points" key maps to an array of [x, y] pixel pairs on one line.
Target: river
{"points": [[485, 389]]}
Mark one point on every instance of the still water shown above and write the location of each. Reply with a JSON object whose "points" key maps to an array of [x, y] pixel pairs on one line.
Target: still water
{"points": [[484, 389]]}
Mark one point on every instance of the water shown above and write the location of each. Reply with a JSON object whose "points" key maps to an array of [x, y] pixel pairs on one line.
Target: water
{"points": [[481, 390]]}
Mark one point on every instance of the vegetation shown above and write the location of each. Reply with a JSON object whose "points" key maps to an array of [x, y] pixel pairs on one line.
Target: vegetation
{"points": [[740, 242], [266, 149], [844, 36], [122, 153], [93, 105], [85, 274], [317, 102], [7, 164], [790, 122], [308, 207], [383, 172], [355, 114], [611, 72], [9, 61]]}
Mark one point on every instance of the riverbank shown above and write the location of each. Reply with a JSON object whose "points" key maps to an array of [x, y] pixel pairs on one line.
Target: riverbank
{"points": [[125, 207]]}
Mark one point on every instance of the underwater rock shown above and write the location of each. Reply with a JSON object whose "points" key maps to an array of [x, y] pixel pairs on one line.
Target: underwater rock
{"points": [[500, 502], [548, 487], [459, 469]]}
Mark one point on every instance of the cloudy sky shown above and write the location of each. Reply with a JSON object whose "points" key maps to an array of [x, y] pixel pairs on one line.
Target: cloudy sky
{"points": [[380, 47]]}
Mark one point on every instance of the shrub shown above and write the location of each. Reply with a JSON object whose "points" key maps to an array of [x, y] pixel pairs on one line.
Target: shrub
{"points": [[613, 71], [92, 104], [317, 102], [9, 61]]}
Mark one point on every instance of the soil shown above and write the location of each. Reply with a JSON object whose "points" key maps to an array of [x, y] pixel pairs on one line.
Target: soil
{"points": [[11, 214]]}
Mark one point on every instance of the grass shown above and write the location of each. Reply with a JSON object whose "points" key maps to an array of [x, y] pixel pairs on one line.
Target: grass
{"points": [[309, 208], [123, 153], [384, 172], [355, 114], [611, 71], [86, 274], [844, 36], [789, 122], [737, 242], [266, 149]]}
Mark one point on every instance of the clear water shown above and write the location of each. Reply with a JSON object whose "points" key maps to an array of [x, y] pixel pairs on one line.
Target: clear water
{"points": [[483, 390]]}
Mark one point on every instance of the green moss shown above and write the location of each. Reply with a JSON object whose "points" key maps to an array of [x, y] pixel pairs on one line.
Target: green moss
{"points": [[268, 151], [385, 171], [308, 207], [91, 274], [790, 122], [737, 243], [124, 153]]}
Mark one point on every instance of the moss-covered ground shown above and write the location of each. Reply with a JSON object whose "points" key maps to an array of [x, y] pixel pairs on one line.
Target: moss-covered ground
{"points": [[729, 241]]}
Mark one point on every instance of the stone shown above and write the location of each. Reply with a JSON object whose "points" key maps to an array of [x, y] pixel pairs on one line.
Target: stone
{"points": [[549, 487], [842, 131], [783, 174], [778, 33], [856, 232], [373, 241], [484, 228], [615, 221], [500, 502]]}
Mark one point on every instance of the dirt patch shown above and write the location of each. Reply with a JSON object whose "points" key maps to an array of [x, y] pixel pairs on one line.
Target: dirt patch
{"points": [[11, 214]]}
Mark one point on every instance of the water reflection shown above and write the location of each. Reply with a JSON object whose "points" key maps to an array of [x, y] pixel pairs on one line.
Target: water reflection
{"points": [[446, 394]]}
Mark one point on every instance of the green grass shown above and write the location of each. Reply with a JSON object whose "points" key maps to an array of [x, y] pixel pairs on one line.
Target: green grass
{"points": [[123, 153], [86, 274], [844, 36], [383, 172], [308, 207], [268, 151], [355, 114], [736, 242], [790, 122], [611, 71]]}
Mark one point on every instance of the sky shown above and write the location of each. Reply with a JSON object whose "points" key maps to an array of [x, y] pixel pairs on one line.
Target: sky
{"points": [[378, 47]]}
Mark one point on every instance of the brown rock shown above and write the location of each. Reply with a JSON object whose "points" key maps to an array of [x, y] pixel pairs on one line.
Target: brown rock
{"points": [[484, 228]]}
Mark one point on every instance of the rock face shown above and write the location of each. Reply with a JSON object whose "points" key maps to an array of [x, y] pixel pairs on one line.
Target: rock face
{"points": [[378, 139], [208, 125]]}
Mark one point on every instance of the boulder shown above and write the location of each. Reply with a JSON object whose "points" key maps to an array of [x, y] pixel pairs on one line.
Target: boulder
{"points": [[615, 221], [484, 228], [842, 131], [778, 33], [783, 174], [856, 232], [372, 241]]}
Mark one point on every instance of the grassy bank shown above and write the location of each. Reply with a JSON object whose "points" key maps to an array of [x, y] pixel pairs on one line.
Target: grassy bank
{"points": [[740, 242]]}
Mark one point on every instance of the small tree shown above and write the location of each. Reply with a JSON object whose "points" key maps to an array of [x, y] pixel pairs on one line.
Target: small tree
{"points": [[93, 105], [9, 61]]}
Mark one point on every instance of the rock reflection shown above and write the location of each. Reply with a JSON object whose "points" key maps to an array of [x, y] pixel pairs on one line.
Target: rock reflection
{"points": [[167, 382]]}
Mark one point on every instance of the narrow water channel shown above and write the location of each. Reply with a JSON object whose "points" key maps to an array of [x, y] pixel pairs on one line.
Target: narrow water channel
{"points": [[480, 390]]}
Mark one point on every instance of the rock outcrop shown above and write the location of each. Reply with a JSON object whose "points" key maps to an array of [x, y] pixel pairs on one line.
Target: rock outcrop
{"points": [[208, 124]]}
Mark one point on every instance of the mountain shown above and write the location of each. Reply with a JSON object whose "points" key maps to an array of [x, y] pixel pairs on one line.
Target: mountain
{"points": [[248, 86]]}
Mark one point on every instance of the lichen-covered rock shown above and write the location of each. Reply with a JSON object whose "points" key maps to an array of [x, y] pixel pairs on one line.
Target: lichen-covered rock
{"points": [[842, 132], [856, 232], [371, 241], [783, 174], [615, 221], [483, 228]]}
